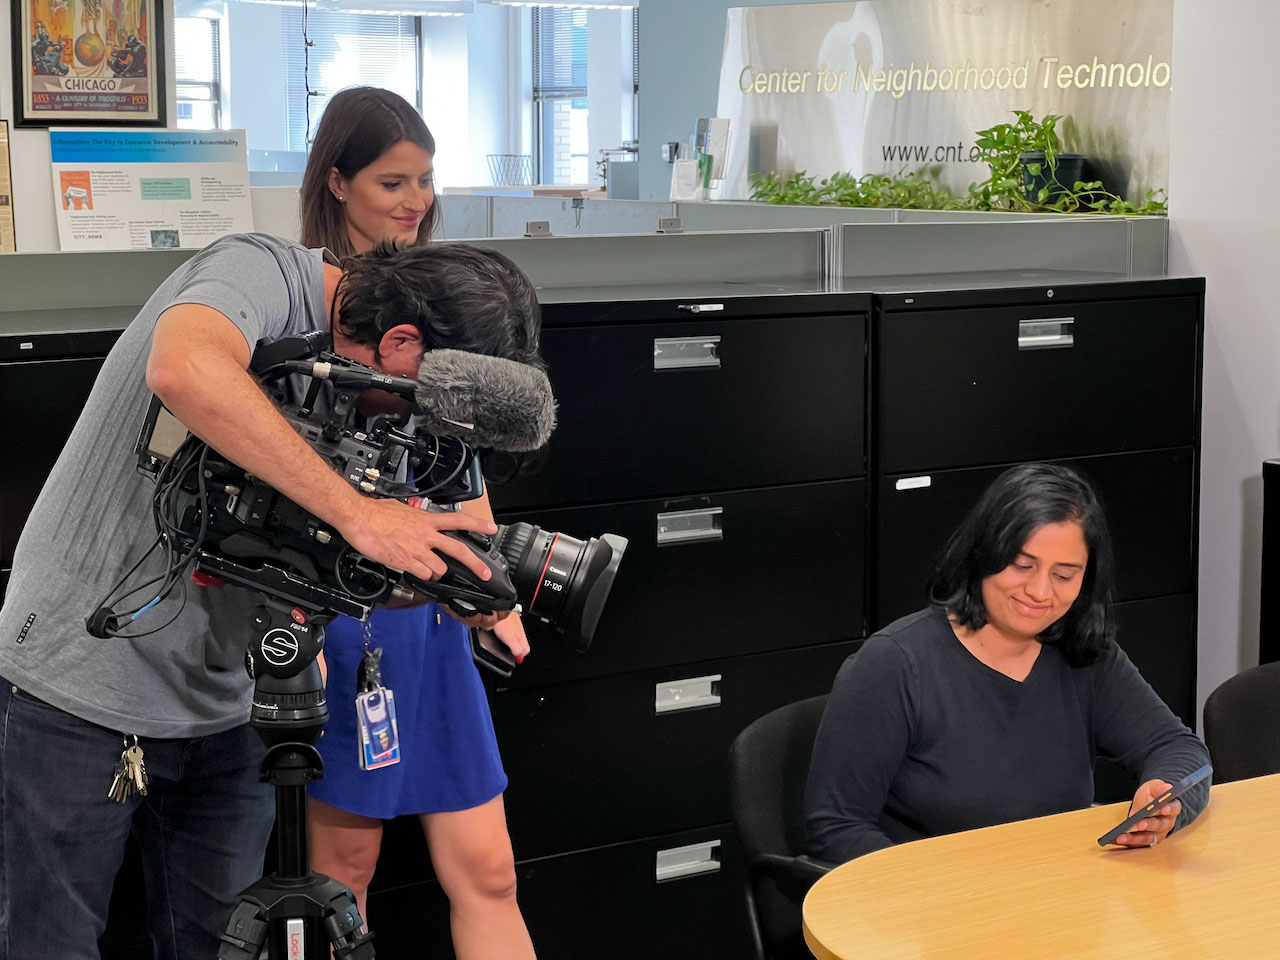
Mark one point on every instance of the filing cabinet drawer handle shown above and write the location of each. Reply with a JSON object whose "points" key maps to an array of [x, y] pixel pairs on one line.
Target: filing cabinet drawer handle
{"points": [[686, 353], [696, 693], [691, 861], [690, 526], [1049, 334]]}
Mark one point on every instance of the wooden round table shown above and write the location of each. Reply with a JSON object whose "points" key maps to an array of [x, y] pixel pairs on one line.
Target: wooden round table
{"points": [[1044, 889]]}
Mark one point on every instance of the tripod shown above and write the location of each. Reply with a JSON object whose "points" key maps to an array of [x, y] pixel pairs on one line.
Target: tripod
{"points": [[293, 913]]}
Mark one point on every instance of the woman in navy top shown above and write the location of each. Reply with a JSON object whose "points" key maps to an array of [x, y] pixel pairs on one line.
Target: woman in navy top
{"points": [[991, 705]]}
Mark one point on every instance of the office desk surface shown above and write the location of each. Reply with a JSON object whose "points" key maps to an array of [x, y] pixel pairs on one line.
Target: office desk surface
{"points": [[1044, 888]]}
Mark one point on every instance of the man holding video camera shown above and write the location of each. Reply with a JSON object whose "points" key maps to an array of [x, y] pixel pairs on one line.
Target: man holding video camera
{"points": [[172, 684]]}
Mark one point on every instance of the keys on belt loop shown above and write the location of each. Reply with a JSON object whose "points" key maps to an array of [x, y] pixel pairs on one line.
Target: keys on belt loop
{"points": [[130, 772]]}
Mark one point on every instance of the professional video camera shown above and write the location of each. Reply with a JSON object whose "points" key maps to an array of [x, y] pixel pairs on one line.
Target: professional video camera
{"points": [[245, 532]]}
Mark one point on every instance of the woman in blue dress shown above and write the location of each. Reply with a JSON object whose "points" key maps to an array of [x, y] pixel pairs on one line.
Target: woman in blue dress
{"points": [[369, 177]]}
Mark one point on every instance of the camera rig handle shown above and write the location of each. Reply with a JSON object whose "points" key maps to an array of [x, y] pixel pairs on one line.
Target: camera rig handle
{"points": [[285, 586]]}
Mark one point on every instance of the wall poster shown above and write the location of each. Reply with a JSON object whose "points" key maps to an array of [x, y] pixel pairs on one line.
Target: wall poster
{"points": [[882, 86], [136, 189], [8, 240], [88, 62]]}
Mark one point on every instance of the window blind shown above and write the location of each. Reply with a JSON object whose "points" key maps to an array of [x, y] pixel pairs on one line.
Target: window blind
{"points": [[559, 53], [347, 49], [195, 50], [198, 69]]}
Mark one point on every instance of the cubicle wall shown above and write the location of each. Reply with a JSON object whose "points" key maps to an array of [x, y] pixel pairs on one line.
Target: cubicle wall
{"points": [[468, 216], [871, 254], [750, 262], [746, 215]]}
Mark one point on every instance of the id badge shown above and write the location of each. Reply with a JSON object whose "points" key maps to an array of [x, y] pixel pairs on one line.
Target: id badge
{"points": [[379, 736]]}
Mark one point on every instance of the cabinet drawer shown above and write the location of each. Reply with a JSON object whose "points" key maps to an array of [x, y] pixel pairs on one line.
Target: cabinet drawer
{"points": [[41, 401], [605, 902], [652, 409], [772, 568], [1150, 504], [1160, 638], [639, 754], [60, 345], [960, 387]]}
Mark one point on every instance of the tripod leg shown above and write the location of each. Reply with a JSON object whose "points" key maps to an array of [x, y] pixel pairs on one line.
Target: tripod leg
{"points": [[342, 922], [246, 933]]}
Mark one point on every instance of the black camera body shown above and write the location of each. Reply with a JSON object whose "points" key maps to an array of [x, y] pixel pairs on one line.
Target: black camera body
{"points": [[244, 531]]}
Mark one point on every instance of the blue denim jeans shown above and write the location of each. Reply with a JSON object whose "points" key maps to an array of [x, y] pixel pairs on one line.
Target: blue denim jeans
{"points": [[202, 830]]}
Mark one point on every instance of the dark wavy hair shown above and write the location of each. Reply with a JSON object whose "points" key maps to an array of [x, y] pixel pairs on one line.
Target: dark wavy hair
{"points": [[358, 126], [460, 296], [1020, 501]]}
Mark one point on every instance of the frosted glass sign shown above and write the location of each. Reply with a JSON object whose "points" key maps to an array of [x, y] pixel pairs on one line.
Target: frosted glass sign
{"points": [[882, 86]]}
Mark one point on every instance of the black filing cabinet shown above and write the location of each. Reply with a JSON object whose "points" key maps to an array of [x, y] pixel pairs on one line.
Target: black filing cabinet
{"points": [[45, 378], [1103, 377], [726, 441], [44, 381]]}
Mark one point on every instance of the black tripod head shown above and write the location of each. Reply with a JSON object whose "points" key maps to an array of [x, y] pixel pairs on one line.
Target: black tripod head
{"points": [[288, 689]]}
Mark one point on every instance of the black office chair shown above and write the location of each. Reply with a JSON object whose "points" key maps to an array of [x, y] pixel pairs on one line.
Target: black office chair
{"points": [[1242, 724], [768, 764]]}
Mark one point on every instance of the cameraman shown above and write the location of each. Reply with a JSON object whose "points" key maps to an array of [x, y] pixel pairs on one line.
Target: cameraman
{"points": [[71, 703]]}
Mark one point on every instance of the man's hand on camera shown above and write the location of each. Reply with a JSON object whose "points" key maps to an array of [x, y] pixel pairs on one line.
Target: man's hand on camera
{"points": [[408, 539]]}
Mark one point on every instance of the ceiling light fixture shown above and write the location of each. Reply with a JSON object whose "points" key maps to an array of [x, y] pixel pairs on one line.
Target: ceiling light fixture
{"points": [[568, 4], [391, 8]]}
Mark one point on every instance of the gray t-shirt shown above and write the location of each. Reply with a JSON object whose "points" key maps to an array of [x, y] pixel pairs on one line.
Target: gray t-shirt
{"points": [[93, 521]]}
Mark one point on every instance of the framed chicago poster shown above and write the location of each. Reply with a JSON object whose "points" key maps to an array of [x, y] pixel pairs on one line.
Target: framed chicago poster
{"points": [[88, 62]]}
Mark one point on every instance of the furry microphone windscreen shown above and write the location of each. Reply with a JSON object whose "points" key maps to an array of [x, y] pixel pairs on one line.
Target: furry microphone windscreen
{"points": [[486, 401]]}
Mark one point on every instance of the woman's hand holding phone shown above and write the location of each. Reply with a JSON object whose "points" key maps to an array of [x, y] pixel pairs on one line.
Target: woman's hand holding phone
{"points": [[1155, 826], [1154, 811]]}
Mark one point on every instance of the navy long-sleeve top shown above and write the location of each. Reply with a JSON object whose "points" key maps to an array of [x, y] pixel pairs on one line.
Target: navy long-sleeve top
{"points": [[921, 738]]}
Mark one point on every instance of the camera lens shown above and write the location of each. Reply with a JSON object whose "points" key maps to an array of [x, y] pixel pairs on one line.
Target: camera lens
{"points": [[560, 579]]}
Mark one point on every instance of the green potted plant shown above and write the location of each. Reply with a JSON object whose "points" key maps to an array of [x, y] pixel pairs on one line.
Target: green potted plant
{"points": [[1028, 164], [1030, 172]]}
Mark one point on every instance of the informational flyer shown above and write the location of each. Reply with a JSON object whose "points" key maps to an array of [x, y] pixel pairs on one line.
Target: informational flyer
{"points": [[8, 242], [132, 189]]}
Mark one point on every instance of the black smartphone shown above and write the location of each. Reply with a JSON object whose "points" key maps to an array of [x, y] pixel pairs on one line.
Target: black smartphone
{"points": [[491, 653], [1173, 793]]}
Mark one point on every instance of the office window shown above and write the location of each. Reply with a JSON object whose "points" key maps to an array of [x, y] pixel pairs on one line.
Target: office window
{"points": [[198, 62], [561, 102], [560, 94], [347, 49], [635, 72]]}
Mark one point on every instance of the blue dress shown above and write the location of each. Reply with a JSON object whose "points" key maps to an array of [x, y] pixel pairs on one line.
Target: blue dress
{"points": [[448, 753]]}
